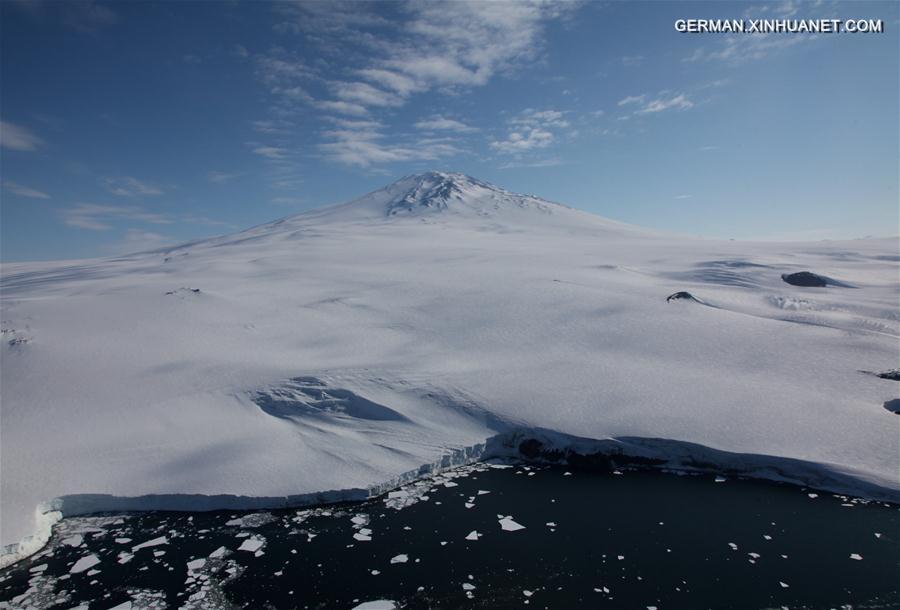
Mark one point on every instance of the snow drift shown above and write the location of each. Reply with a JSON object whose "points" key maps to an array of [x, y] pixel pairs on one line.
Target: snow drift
{"points": [[343, 348]]}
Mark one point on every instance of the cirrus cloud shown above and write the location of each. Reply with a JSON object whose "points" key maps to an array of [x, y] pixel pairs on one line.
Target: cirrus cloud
{"points": [[16, 137], [24, 191]]}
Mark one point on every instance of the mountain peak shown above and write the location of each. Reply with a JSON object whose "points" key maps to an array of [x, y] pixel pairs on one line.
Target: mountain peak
{"points": [[442, 197], [435, 191]]}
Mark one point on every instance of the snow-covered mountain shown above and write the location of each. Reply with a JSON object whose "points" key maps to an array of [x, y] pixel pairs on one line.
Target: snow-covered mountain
{"points": [[336, 350], [450, 193], [447, 199]]}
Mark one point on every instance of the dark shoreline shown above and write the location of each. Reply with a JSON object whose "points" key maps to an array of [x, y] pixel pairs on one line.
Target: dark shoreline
{"points": [[598, 515]]}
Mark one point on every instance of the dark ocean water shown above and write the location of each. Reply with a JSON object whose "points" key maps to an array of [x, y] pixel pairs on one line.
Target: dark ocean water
{"points": [[492, 537]]}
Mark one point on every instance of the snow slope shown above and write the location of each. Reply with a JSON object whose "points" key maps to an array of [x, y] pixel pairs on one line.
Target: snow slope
{"points": [[337, 349]]}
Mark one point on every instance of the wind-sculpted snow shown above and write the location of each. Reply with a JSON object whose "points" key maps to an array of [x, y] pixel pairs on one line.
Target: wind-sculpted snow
{"points": [[347, 347], [308, 396]]}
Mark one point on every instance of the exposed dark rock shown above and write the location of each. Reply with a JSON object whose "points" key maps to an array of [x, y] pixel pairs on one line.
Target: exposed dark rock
{"points": [[591, 461], [893, 375], [609, 461], [183, 289], [680, 295], [533, 449], [893, 406], [805, 278]]}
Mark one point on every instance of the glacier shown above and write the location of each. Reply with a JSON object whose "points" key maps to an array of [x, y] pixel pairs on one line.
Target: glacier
{"points": [[441, 319]]}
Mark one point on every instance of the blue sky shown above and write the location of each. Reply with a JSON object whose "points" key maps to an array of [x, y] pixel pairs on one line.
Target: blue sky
{"points": [[130, 125]]}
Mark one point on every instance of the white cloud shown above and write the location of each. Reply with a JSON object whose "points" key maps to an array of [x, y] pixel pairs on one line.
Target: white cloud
{"points": [[684, 196], [126, 186], [448, 47], [632, 99], [365, 145], [543, 118], [269, 152], [531, 130], [97, 217], [365, 94], [355, 123], [523, 141], [740, 48], [274, 126], [551, 162], [280, 70], [467, 43], [632, 60], [679, 102], [217, 177], [16, 137], [327, 18], [402, 85], [343, 107], [440, 123], [24, 191]]}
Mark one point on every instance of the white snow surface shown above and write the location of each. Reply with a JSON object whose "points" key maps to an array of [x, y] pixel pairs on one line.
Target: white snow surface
{"points": [[341, 348]]}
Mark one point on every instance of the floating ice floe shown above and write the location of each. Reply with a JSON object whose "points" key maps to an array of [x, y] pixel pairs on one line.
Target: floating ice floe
{"points": [[149, 543], [508, 525], [378, 604], [252, 545], [473, 535], [402, 558], [84, 563]]}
